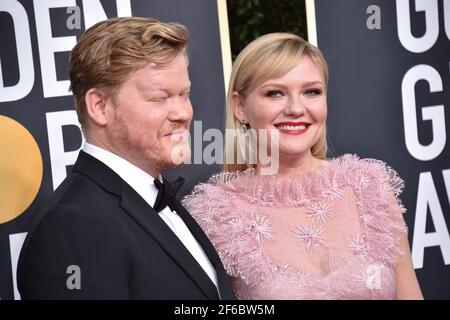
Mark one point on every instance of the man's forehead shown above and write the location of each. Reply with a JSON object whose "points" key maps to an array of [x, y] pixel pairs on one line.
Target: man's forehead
{"points": [[156, 77]]}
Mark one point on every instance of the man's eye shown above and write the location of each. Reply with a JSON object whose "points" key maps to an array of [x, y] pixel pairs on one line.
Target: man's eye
{"points": [[274, 93], [160, 99], [313, 92]]}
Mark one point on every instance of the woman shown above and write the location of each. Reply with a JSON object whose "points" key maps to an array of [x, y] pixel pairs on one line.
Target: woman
{"points": [[316, 228]]}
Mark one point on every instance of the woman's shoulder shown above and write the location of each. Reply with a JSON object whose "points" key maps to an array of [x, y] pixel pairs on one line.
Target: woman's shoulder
{"points": [[362, 172], [211, 203], [220, 188], [224, 180], [351, 161]]}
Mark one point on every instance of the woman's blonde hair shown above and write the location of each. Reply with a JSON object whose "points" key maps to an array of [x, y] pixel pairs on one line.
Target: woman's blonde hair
{"points": [[268, 57]]}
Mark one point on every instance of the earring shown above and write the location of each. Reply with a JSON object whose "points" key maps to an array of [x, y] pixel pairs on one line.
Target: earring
{"points": [[246, 141], [244, 126]]}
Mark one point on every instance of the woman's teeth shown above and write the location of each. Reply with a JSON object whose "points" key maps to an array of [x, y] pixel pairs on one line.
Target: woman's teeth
{"points": [[301, 127]]}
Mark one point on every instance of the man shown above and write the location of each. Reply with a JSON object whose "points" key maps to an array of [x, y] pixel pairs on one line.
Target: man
{"points": [[106, 232]]}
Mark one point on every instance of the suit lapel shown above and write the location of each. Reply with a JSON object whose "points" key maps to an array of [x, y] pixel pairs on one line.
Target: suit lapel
{"points": [[197, 232], [149, 219], [156, 227]]}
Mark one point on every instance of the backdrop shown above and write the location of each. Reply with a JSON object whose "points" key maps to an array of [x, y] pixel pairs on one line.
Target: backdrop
{"points": [[388, 99]]}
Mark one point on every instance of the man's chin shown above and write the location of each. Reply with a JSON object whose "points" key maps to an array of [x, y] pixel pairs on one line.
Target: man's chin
{"points": [[180, 155], [166, 166]]}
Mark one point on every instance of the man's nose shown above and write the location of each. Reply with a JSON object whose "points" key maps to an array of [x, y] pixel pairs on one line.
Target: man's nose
{"points": [[181, 110]]}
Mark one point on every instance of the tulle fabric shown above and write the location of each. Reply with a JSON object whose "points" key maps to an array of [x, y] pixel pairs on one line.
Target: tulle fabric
{"points": [[329, 234]]}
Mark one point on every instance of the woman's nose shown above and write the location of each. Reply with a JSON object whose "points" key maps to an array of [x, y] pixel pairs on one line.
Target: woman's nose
{"points": [[295, 107]]}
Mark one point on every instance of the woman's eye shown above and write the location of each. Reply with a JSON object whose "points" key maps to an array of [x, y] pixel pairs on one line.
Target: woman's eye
{"points": [[313, 92], [274, 93]]}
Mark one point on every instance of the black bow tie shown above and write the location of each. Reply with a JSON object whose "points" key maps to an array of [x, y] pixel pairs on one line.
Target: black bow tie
{"points": [[166, 193]]}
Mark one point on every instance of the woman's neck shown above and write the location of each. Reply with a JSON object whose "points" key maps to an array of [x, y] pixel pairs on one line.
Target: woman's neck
{"points": [[289, 166]]}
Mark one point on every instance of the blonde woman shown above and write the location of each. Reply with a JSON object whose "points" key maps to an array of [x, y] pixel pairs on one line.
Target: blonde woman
{"points": [[316, 228]]}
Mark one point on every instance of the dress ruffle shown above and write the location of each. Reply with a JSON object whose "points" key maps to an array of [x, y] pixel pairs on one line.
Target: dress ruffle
{"points": [[216, 207]]}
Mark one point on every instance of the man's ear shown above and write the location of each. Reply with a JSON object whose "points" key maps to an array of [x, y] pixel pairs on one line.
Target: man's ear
{"points": [[238, 108], [96, 102]]}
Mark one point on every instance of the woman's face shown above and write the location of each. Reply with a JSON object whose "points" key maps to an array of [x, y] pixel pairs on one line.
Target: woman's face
{"points": [[295, 105]]}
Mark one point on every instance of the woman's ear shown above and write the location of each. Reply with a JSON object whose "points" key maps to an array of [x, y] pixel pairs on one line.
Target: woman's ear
{"points": [[96, 102], [238, 108]]}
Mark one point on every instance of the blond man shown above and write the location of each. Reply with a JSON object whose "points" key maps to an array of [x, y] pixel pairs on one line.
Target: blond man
{"points": [[113, 229]]}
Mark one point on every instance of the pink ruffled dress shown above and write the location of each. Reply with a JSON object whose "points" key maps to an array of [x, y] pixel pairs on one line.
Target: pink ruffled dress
{"points": [[329, 234]]}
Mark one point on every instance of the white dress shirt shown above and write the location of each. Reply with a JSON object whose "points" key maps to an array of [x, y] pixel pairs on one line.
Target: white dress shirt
{"points": [[143, 184]]}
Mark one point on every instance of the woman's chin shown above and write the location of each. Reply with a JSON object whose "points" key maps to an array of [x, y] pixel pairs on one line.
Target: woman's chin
{"points": [[294, 152]]}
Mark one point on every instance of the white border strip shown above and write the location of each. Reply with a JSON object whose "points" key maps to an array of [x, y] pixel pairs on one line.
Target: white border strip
{"points": [[224, 41], [311, 21], [16, 241]]}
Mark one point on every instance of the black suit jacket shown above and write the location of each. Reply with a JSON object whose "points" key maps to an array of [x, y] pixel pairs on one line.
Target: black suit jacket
{"points": [[123, 249]]}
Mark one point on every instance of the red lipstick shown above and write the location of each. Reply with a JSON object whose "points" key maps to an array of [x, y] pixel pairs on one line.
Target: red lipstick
{"points": [[290, 127]]}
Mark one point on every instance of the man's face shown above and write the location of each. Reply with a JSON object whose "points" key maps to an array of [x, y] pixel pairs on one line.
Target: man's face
{"points": [[150, 115]]}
